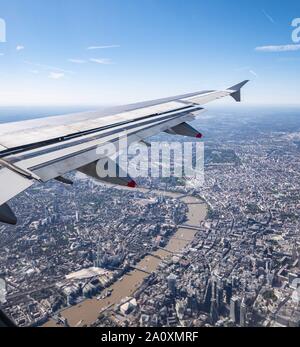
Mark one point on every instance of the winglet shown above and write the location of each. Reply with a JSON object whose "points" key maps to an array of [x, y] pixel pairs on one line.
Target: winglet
{"points": [[236, 90]]}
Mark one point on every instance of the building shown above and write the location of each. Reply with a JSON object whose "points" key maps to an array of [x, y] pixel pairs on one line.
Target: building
{"points": [[243, 313], [172, 284], [234, 310]]}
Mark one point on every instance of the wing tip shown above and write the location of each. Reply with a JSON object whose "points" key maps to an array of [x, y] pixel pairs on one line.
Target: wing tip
{"points": [[236, 90], [239, 86]]}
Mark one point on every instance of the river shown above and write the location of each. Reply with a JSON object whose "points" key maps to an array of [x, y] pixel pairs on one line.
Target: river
{"points": [[87, 312]]}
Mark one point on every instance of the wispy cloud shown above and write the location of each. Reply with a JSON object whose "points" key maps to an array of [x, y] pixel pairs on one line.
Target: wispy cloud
{"points": [[56, 75], [77, 61], [253, 73], [103, 47], [20, 48], [282, 48], [35, 72], [270, 18], [48, 67], [247, 69], [103, 61], [1, 54]]}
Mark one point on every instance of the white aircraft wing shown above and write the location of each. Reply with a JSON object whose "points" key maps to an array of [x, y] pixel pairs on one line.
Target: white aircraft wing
{"points": [[44, 149]]}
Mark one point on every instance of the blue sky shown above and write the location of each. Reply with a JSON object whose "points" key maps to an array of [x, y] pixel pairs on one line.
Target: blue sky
{"points": [[144, 49]]}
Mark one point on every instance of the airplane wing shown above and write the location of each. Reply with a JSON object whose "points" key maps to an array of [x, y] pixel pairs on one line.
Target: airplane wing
{"points": [[44, 149]]}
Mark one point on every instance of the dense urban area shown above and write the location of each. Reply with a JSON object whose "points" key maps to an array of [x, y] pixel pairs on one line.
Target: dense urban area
{"points": [[240, 268]]}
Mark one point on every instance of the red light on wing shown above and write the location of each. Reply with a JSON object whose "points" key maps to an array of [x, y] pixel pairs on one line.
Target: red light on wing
{"points": [[132, 184]]}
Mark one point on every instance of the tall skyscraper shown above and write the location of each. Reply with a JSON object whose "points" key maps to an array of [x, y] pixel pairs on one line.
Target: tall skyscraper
{"points": [[294, 253], [234, 310], [228, 292], [2, 291], [243, 313], [172, 283], [208, 296], [220, 297], [214, 314], [98, 262]]}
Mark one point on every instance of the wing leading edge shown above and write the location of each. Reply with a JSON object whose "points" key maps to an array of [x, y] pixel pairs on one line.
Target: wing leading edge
{"points": [[44, 149]]}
